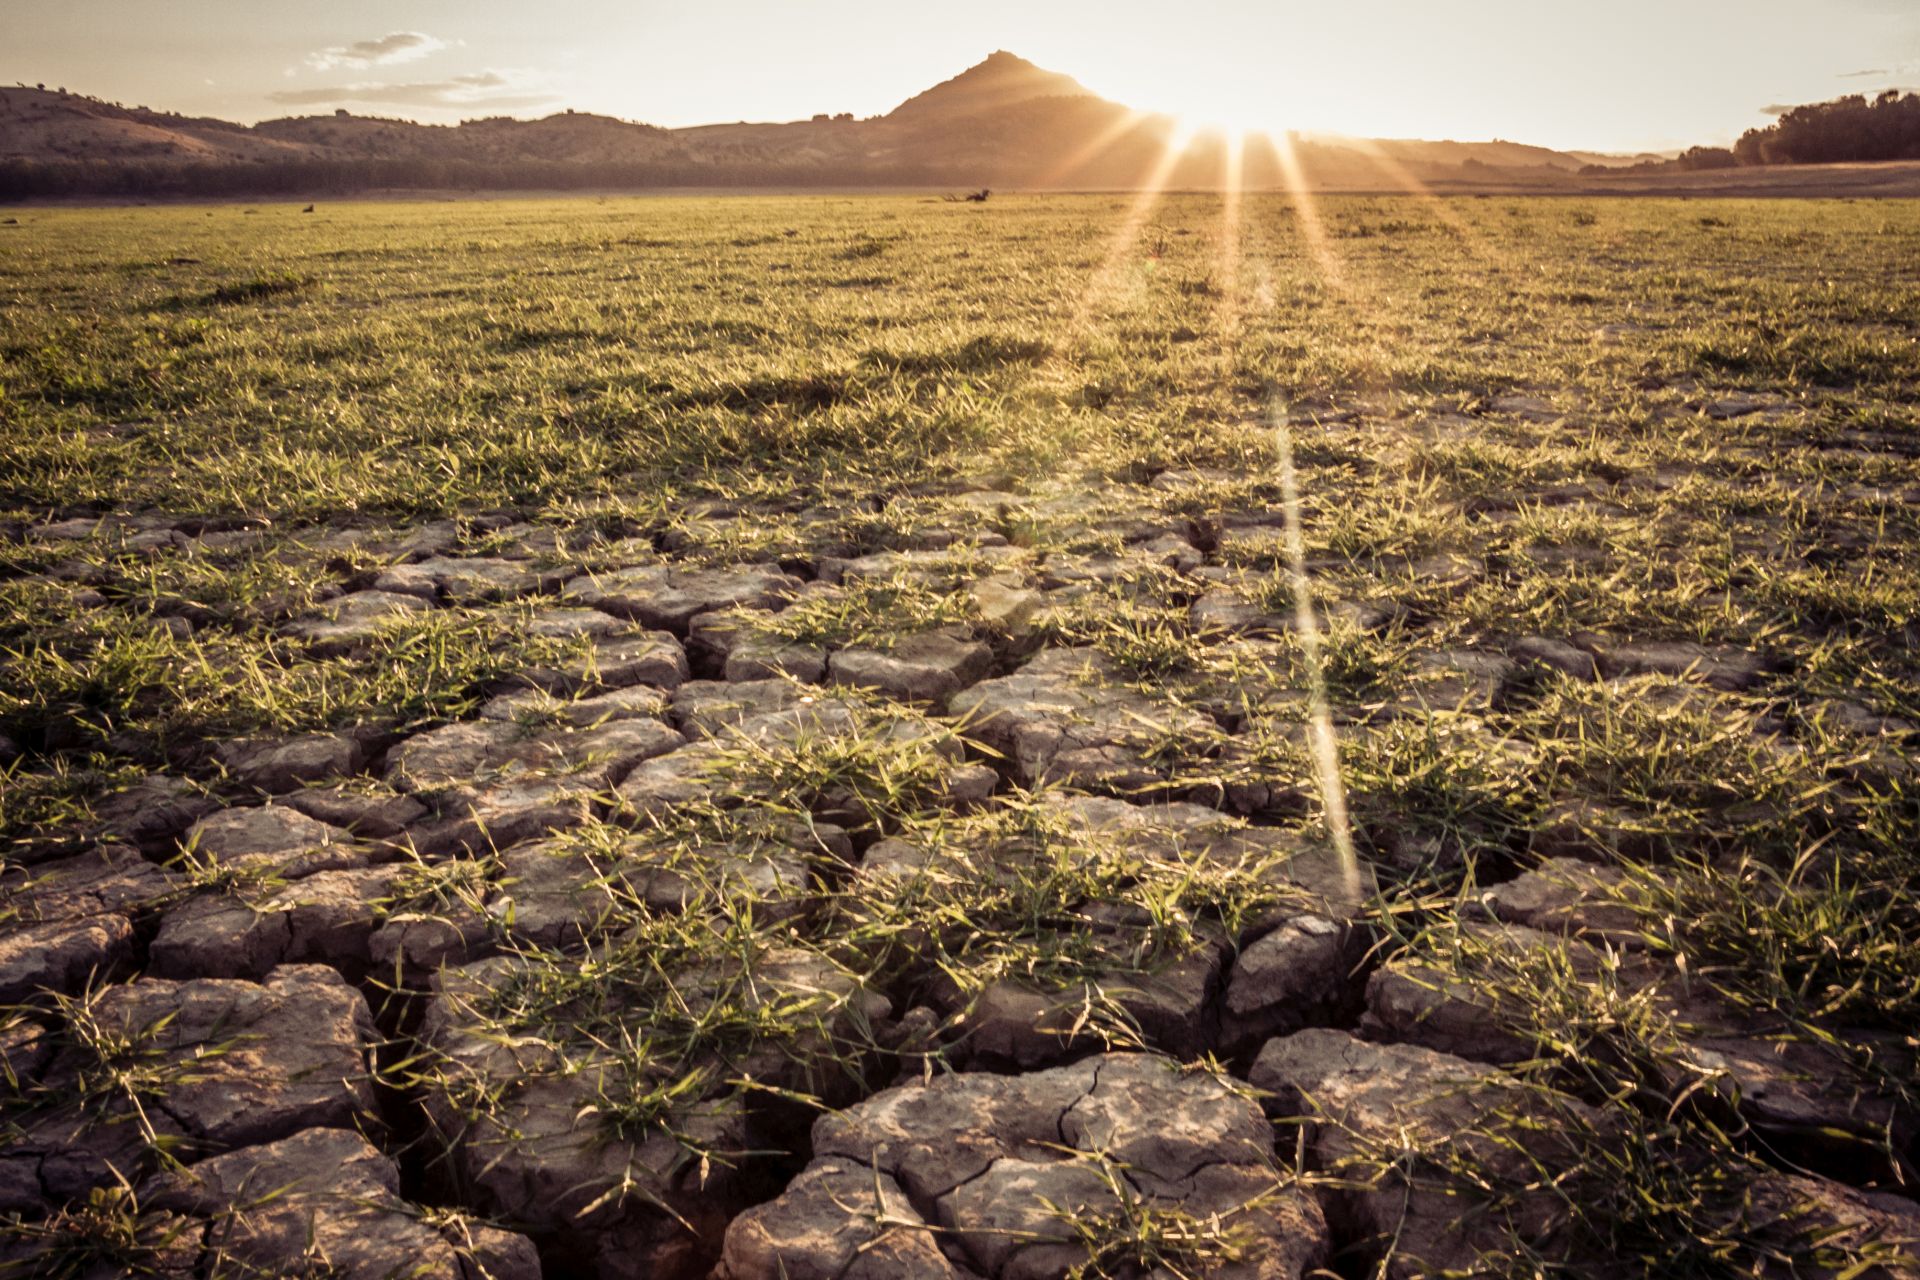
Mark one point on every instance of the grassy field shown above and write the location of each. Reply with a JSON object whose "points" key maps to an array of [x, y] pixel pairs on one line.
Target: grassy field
{"points": [[612, 361], [1610, 510]]}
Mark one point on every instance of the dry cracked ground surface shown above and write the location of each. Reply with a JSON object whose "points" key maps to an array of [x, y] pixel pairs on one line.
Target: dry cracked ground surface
{"points": [[934, 891], [944, 879]]}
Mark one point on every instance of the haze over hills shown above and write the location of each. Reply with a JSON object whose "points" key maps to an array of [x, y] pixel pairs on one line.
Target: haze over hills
{"points": [[1002, 123]]}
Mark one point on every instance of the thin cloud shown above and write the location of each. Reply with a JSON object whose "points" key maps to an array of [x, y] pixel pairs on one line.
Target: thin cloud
{"points": [[1898, 71], [389, 50], [481, 89]]}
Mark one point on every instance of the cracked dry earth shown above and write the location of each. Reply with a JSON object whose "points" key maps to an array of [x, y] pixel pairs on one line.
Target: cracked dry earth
{"points": [[936, 889]]}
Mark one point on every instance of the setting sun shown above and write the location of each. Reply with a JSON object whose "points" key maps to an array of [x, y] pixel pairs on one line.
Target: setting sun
{"points": [[1206, 106]]}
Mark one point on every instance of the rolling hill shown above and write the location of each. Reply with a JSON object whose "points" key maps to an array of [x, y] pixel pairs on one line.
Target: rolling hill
{"points": [[1004, 122]]}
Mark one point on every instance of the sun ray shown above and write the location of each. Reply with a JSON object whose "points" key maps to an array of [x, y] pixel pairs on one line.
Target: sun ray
{"points": [[1322, 743], [1103, 280], [1105, 140], [1322, 739], [1410, 182], [1232, 188], [1313, 231], [1147, 196]]}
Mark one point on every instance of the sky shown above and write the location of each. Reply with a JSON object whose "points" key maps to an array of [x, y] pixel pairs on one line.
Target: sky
{"points": [[1623, 75]]}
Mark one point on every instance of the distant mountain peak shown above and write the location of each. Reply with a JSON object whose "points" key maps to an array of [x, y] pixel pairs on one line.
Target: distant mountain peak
{"points": [[1000, 80]]}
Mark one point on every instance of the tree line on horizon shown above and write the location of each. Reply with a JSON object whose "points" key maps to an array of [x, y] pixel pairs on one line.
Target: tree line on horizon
{"points": [[1855, 129]]}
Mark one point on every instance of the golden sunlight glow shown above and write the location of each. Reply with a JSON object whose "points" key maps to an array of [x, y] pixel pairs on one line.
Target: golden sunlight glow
{"points": [[1323, 745], [1107, 138], [1109, 274], [1219, 103], [1106, 276], [1563, 76], [1409, 182], [1233, 166], [1319, 246]]}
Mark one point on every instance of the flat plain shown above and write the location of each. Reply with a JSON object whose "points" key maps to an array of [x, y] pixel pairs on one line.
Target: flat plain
{"points": [[878, 737]]}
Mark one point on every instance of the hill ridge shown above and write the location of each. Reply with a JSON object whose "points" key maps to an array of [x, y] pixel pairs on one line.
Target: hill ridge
{"points": [[1002, 122]]}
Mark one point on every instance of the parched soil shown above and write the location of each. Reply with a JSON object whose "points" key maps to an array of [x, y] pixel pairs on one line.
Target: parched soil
{"points": [[1395, 831], [582, 952]]}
